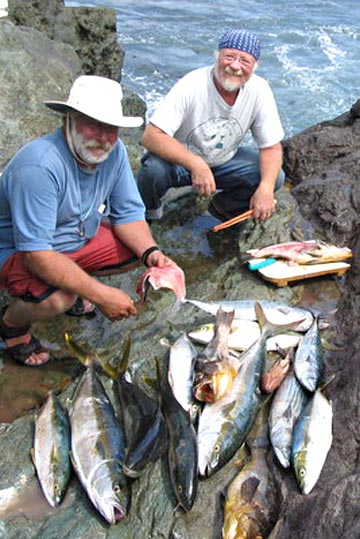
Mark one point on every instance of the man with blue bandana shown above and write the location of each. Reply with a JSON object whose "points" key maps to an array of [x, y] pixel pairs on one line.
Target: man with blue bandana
{"points": [[195, 137]]}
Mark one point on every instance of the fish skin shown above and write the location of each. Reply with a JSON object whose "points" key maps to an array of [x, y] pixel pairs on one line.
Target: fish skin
{"points": [[252, 503], [312, 441], [224, 424], [286, 407], [51, 451], [98, 447], [182, 451], [171, 276], [181, 374], [215, 369], [275, 312], [144, 427], [309, 358]]}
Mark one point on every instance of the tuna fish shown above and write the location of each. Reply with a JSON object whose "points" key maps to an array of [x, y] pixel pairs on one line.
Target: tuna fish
{"points": [[181, 374], [51, 451], [182, 452], [286, 407], [309, 358]]}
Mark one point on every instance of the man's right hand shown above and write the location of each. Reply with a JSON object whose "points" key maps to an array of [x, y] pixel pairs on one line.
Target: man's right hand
{"points": [[116, 305], [202, 178]]}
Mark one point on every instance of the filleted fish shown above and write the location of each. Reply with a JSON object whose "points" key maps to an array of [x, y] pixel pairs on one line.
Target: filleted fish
{"points": [[98, 447], [312, 440], [307, 252], [224, 424], [51, 451]]}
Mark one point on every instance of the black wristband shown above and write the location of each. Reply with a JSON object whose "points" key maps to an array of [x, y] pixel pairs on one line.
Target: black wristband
{"points": [[148, 252]]}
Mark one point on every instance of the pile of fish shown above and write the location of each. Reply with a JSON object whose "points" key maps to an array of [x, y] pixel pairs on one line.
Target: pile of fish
{"points": [[307, 252], [207, 404]]}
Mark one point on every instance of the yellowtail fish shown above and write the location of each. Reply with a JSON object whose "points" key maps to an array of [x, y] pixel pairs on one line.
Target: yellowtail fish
{"points": [[98, 447], [309, 358], [51, 451], [312, 441]]}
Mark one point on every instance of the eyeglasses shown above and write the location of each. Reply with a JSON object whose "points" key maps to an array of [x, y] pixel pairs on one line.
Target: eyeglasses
{"points": [[231, 58]]}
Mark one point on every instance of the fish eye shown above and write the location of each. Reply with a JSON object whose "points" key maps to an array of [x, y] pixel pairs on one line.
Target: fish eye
{"points": [[116, 489], [180, 489], [56, 487], [217, 448], [302, 472]]}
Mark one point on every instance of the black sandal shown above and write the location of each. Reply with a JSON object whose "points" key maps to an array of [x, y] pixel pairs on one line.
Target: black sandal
{"points": [[21, 352], [78, 309]]}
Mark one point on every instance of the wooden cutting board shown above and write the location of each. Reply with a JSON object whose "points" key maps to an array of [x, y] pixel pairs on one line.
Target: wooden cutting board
{"points": [[280, 273]]}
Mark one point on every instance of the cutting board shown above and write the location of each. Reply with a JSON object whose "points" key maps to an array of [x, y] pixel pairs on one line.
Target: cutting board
{"points": [[280, 273]]}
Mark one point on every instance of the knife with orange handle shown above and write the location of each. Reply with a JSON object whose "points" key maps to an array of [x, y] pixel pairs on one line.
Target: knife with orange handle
{"points": [[238, 219]]}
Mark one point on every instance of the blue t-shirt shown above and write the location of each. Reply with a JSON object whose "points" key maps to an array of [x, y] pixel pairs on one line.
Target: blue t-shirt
{"points": [[48, 202]]}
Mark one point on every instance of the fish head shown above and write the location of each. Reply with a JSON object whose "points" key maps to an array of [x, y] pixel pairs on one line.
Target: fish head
{"points": [[184, 478], [109, 492], [302, 478], [214, 382], [211, 454]]}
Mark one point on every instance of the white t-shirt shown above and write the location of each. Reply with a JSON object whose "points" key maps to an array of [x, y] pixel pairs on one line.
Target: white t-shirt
{"points": [[196, 115]]}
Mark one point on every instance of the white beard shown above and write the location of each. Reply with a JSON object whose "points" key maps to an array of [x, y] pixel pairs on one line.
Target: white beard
{"points": [[84, 148]]}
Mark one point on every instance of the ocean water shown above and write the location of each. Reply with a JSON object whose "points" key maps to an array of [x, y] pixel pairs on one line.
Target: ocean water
{"points": [[310, 49]]}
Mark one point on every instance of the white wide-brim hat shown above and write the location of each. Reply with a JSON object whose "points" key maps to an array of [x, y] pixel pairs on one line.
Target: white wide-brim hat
{"points": [[99, 98]]}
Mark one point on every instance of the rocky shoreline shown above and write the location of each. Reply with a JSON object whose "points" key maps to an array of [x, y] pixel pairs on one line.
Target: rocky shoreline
{"points": [[40, 57]]}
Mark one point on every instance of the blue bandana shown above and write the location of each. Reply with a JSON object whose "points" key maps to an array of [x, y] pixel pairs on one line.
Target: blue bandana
{"points": [[242, 40]]}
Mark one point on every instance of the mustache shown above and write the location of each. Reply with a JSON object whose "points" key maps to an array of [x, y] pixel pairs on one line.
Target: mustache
{"points": [[235, 73], [92, 143]]}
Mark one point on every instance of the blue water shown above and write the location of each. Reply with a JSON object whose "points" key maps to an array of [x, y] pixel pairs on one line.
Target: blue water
{"points": [[310, 49]]}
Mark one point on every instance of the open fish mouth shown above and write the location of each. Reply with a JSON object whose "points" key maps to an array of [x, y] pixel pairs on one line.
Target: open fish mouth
{"points": [[119, 514]]}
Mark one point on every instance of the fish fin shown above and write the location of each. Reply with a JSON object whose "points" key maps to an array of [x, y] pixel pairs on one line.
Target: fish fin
{"points": [[227, 409], [268, 327], [124, 362], [249, 487], [32, 454]]}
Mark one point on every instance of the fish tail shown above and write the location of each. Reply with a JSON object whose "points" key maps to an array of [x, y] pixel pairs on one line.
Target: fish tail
{"points": [[268, 328]]}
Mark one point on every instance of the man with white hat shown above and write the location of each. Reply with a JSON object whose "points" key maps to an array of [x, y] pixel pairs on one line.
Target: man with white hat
{"points": [[195, 137], [69, 206]]}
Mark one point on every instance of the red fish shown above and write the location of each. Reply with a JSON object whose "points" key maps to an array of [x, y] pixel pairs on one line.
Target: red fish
{"points": [[308, 252], [170, 276]]}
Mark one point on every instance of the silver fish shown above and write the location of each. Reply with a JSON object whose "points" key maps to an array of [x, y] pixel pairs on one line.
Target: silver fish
{"points": [[243, 334], [312, 441], [286, 407], [98, 447], [224, 424], [51, 451], [276, 313], [181, 374], [309, 358]]}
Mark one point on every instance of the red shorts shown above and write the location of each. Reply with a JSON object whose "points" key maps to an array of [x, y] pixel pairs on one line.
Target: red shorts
{"points": [[104, 251]]}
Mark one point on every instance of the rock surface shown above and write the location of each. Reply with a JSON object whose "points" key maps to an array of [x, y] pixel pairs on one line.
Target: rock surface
{"points": [[321, 200]]}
